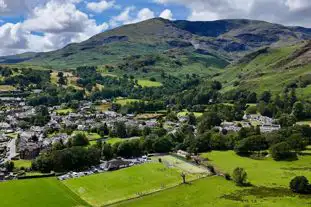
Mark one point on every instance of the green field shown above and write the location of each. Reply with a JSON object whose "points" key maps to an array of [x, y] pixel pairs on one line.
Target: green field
{"points": [[124, 101], [7, 88], [64, 111], [270, 181], [47, 192], [103, 107], [148, 83], [22, 163], [90, 136], [123, 184], [186, 113], [262, 172], [217, 192]]}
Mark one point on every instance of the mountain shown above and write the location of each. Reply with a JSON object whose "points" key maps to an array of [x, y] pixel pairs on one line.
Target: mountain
{"points": [[272, 69], [159, 44]]}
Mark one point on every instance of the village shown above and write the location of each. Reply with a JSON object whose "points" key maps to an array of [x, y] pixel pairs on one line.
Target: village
{"points": [[26, 144]]}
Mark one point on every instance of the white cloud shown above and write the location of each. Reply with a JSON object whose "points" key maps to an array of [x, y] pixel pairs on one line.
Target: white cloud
{"points": [[142, 15], [167, 14], [289, 12], [60, 22], [100, 6], [296, 5], [126, 16], [3, 5]]}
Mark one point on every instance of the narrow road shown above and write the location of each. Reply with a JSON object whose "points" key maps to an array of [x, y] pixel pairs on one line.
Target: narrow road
{"points": [[12, 150]]}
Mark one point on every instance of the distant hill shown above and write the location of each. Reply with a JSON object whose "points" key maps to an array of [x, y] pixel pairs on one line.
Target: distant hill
{"points": [[272, 69], [174, 44]]}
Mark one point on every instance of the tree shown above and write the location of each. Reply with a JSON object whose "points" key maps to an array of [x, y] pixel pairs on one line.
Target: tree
{"points": [[297, 142], [162, 145], [208, 121], [192, 120], [266, 96], [107, 151], [239, 176], [300, 184], [216, 85], [287, 120], [251, 144], [282, 151], [183, 175], [9, 166], [80, 139], [120, 130], [298, 110]]}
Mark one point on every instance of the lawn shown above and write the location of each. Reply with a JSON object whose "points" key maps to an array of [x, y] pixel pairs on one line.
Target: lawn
{"points": [[12, 135], [114, 140], [22, 163], [305, 122], [217, 192], [262, 172], [47, 192], [64, 111], [124, 101], [148, 83], [103, 107], [90, 136], [110, 187], [7, 88], [186, 113]]}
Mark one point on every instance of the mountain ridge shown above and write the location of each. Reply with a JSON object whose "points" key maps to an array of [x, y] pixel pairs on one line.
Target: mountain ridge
{"points": [[226, 40]]}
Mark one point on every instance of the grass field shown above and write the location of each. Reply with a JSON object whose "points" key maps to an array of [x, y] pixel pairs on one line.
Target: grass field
{"points": [[148, 116], [306, 122], [124, 101], [103, 107], [22, 163], [217, 192], [262, 172], [64, 111], [90, 136], [123, 184], [186, 113], [148, 83], [114, 140], [47, 192], [7, 88]]}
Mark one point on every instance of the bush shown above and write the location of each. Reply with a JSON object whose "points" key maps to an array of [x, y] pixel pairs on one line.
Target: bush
{"points": [[282, 151], [300, 184], [239, 176], [227, 176], [211, 169]]}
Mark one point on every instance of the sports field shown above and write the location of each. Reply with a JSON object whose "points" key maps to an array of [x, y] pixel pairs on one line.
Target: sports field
{"points": [[47, 192], [171, 161], [123, 184]]}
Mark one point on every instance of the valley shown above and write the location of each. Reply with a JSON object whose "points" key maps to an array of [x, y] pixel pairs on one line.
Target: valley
{"points": [[160, 113]]}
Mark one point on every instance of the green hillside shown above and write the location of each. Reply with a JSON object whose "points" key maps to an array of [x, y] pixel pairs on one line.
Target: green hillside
{"points": [[271, 69]]}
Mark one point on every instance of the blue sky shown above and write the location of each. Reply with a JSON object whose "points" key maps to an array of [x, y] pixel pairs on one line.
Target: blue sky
{"points": [[45, 25]]}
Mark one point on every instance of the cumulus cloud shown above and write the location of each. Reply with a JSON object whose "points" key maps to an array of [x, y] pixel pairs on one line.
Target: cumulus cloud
{"points": [[59, 21], [289, 12], [167, 14], [100, 6], [126, 16]]}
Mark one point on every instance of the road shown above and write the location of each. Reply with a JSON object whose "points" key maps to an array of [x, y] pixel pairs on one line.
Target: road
{"points": [[12, 150]]}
